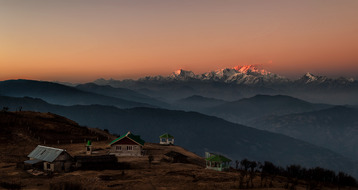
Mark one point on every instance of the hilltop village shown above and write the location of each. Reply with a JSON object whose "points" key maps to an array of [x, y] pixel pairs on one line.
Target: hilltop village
{"points": [[44, 159], [48, 151]]}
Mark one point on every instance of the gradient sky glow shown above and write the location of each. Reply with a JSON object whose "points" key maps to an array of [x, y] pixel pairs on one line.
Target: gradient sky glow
{"points": [[82, 40]]}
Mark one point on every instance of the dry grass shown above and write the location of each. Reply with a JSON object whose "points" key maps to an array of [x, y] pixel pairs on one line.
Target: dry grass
{"points": [[160, 175]]}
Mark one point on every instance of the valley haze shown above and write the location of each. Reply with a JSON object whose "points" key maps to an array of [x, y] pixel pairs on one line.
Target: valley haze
{"points": [[251, 108]]}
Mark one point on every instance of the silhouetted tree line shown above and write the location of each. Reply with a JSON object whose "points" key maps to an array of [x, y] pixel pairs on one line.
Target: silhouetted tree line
{"points": [[293, 173]]}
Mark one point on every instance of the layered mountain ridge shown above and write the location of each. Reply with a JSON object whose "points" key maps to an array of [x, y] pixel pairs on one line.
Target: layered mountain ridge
{"points": [[241, 82], [241, 74], [246, 74], [235, 141]]}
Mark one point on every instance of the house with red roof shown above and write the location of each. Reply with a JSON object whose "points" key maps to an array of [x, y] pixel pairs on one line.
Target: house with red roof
{"points": [[127, 145]]}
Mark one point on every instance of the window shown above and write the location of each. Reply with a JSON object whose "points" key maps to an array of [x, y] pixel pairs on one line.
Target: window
{"points": [[118, 148], [47, 166], [129, 147]]}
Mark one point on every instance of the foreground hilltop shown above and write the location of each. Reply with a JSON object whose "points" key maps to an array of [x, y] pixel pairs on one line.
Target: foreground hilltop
{"points": [[22, 131], [196, 132]]}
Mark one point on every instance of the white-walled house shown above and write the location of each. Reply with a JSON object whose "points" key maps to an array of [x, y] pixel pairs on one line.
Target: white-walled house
{"points": [[166, 139]]}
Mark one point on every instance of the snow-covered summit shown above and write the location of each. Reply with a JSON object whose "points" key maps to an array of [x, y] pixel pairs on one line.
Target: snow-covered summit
{"points": [[310, 78], [246, 74], [182, 74], [251, 69], [241, 74]]}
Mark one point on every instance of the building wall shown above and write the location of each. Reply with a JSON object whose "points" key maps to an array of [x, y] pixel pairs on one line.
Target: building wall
{"points": [[62, 163], [126, 147], [63, 157], [49, 166], [218, 166], [126, 150], [166, 141]]}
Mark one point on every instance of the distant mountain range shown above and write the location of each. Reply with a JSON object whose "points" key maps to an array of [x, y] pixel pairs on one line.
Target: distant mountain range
{"points": [[330, 126], [259, 111], [267, 105], [240, 82], [197, 103], [249, 109], [64, 95], [248, 74], [335, 128], [122, 93], [196, 132]]}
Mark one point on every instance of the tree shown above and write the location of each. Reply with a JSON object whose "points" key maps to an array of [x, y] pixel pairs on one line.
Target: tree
{"points": [[252, 166], [5, 109]]}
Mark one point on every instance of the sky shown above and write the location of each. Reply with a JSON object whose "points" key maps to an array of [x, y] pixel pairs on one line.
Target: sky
{"points": [[82, 40]]}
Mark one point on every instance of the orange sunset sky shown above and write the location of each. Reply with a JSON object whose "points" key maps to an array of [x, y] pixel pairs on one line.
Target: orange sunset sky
{"points": [[82, 40]]}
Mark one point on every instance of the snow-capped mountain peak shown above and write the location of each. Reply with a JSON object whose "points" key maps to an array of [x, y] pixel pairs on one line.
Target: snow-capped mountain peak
{"points": [[248, 69], [246, 74], [182, 74], [351, 79], [310, 77]]}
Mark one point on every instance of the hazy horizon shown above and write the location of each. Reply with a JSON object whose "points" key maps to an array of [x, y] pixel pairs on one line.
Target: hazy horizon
{"points": [[292, 77], [76, 81], [80, 41]]}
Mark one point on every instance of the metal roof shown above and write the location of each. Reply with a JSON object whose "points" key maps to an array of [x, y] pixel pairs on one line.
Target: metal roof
{"points": [[48, 154], [218, 158], [134, 138], [33, 161], [166, 136]]}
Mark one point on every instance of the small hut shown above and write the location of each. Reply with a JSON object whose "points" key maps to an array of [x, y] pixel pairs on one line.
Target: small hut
{"points": [[166, 139], [127, 145], [53, 159], [217, 162]]}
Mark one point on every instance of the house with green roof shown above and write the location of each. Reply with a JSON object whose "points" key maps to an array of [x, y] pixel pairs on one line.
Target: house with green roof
{"points": [[166, 139], [217, 162], [127, 145]]}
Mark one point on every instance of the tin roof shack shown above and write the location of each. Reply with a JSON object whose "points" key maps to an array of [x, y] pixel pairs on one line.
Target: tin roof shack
{"points": [[127, 145], [53, 159], [166, 139], [217, 162]]}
